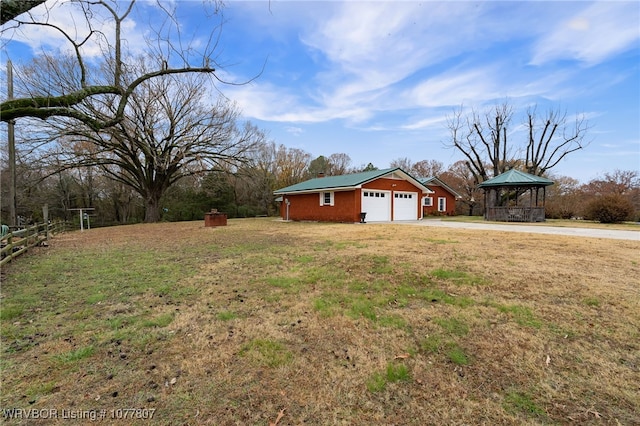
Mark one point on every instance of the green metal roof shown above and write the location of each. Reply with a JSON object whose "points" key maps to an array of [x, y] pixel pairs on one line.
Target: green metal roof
{"points": [[436, 181], [516, 178], [342, 181]]}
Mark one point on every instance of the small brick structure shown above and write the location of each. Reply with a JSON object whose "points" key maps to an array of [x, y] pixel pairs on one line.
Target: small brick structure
{"points": [[215, 218]]}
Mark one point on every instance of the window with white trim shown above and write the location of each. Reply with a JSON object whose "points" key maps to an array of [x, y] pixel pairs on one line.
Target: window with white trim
{"points": [[428, 201], [442, 204], [326, 199]]}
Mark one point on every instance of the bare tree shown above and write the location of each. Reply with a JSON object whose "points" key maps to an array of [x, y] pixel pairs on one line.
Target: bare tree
{"points": [[564, 199], [261, 176], [427, 168], [459, 177], [485, 142], [421, 169], [167, 133], [291, 165], [617, 182], [404, 163], [339, 163], [551, 139], [73, 79], [484, 139]]}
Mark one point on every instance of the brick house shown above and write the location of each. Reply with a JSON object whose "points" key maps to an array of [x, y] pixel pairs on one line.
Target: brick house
{"points": [[384, 195], [442, 201]]}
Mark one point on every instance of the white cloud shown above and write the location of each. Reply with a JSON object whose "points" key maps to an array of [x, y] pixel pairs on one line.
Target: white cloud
{"points": [[592, 35], [453, 88], [372, 46], [146, 20], [374, 60], [430, 122]]}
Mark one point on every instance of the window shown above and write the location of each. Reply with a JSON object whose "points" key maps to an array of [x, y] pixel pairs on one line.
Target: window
{"points": [[442, 204], [373, 194], [428, 201], [326, 198]]}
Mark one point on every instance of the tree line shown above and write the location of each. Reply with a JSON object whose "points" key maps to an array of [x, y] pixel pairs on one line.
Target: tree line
{"points": [[247, 190]]}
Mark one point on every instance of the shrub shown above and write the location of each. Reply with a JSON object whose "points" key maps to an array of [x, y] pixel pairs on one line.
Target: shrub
{"points": [[560, 210], [611, 208]]}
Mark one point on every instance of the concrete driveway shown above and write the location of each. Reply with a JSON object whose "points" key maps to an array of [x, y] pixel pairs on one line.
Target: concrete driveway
{"points": [[533, 229]]}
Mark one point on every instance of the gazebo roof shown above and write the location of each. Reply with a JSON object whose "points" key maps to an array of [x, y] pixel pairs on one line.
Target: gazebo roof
{"points": [[515, 178]]}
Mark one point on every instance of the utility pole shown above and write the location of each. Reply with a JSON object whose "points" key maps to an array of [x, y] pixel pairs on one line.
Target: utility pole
{"points": [[12, 151]]}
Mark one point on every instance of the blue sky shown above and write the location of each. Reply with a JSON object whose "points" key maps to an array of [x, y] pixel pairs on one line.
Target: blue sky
{"points": [[376, 80]]}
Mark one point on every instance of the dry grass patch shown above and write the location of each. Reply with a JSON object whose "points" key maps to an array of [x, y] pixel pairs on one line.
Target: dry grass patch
{"points": [[334, 323]]}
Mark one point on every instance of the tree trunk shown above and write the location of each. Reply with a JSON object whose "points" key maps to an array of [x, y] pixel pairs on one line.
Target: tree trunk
{"points": [[152, 209]]}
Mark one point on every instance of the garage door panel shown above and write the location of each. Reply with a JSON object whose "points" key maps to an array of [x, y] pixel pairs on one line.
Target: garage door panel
{"points": [[377, 205], [405, 206]]}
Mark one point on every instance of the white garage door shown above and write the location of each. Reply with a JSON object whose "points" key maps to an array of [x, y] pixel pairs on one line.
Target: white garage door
{"points": [[405, 205], [377, 205]]}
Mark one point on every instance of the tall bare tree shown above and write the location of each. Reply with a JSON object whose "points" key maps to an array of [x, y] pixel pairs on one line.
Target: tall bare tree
{"points": [[168, 132], [551, 139], [73, 79], [485, 140], [482, 140]]}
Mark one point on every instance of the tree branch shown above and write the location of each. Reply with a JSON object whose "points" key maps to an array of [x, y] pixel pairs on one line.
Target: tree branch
{"points": [[10, 9]]}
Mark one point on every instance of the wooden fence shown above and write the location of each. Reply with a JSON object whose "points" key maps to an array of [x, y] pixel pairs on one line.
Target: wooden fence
{"points": [[18, 242], [515, 214]]}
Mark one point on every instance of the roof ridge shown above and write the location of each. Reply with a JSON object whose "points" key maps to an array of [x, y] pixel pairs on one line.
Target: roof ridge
{"points": [[341, 181]]}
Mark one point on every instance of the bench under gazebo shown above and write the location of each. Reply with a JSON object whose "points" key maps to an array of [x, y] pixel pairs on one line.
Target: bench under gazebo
{"points": [[505, 200]]}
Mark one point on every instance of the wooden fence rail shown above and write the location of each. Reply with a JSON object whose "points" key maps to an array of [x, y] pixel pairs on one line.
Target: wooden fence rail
{"points": [[18, 242], [515, 214]]}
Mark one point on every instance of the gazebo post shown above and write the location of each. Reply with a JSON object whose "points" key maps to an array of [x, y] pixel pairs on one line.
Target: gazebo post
{"points": [[531, 197], [484, 207]]}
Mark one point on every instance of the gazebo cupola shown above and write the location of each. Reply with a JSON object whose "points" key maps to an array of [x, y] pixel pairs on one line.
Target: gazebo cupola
{"points": [[505, 197]]}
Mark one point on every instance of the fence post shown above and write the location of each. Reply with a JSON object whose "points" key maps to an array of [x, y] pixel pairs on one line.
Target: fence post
{"points": [[45, 216]]}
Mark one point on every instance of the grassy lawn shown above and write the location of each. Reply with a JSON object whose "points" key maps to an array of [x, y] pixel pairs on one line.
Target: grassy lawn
{"points": [[324, 324]]}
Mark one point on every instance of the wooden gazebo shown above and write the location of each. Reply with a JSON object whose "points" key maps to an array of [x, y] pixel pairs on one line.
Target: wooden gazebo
{"points": [[503, 199]]}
